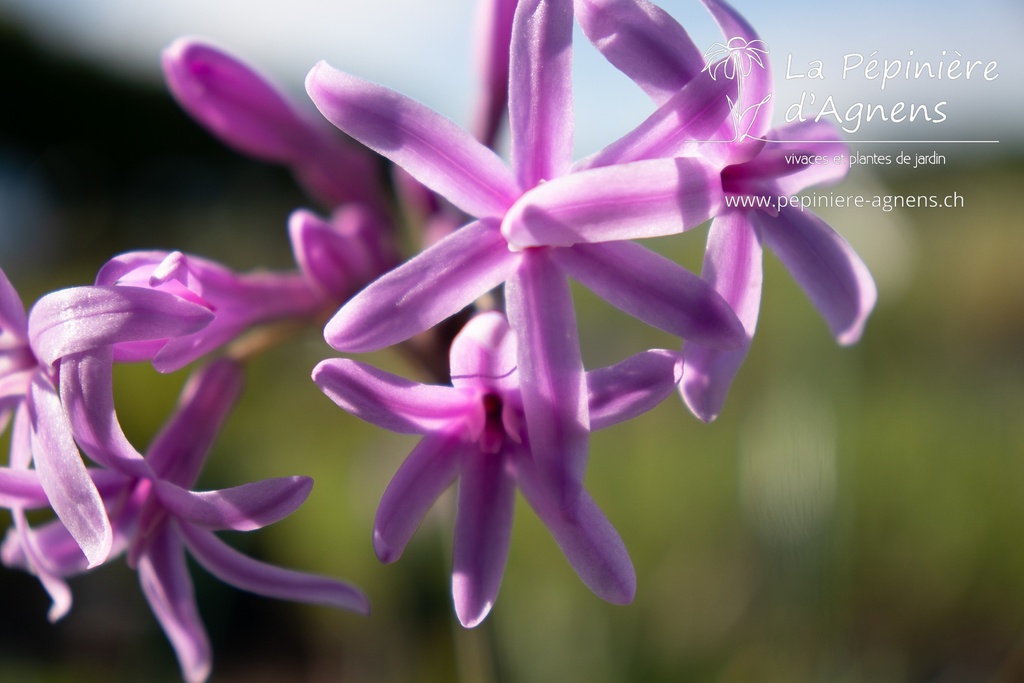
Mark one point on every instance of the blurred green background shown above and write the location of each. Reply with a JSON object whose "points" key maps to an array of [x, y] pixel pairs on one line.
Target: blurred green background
{"points": [[855, 514]]}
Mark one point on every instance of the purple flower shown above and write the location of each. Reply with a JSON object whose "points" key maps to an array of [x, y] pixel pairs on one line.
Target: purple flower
{"points": [[240, 107], [537, 224], [474, 431], [155, 518], [650, 47], [40, 356]]}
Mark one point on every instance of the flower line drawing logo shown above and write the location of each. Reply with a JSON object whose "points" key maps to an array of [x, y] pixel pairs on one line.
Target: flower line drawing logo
{"points": [[735, 59]]}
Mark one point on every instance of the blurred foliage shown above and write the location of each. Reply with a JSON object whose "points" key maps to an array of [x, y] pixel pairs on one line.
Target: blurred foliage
{"points": [[854, 515]]}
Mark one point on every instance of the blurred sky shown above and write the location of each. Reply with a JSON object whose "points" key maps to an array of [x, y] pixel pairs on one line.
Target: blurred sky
{"points": [[424, 50]]}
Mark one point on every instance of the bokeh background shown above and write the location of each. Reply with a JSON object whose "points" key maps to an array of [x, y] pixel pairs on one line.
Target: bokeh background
{"points": [[855, 514]]}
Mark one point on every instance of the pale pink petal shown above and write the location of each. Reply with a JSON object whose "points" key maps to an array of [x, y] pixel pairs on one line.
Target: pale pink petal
{"points": [[240, 508], [654, 289], [732, 264], [84, 318], [390, 401], [493, 37], [245, 573], [432, 286], [829, 270], [483, 532], [433, 149], [540, 90], [627, 201], [625, 390], [163, 574], [644, 42], [428, 470], [590, 543], [63, 475], [552, 382]]}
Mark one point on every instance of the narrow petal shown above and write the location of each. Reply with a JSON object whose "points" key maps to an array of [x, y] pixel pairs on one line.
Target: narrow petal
{"points": [[163, 574], [644, 42], [83, 318], [390, 401], [38, 563], [829, 270], [753, 109], [483, 532], [493, 43], [12, 312], [654, 289], [631, 388], [540, 90], [21, 488], [433, 149], [63, 475], [589, 541], [484, 352], [551, 375], [429, 469], [87, 392], [627, 201], [810, 139], [241, 508], [676, 128], [423, 291], [179, 450], [732, 265], [240, 571]]}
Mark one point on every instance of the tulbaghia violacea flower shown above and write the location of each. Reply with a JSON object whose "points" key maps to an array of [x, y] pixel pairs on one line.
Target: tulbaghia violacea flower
{"points": [[156, 518], [474, 431], [241, 107], [536, 224], [41, 355], [493, 38], [826, 267]]}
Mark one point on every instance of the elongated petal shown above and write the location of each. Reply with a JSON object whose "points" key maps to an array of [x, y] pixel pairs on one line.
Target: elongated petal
{"points": [[754, 111], [12, 312], [644, 42], [240, 571], [493, 43], [654, 289], [483, 532], [627, 201], [21, 488], [390, 401], [241, 508], [63, 475], [551, 377], [433, 149], [484, 352], [83, 318], [163, 574], [829, 270], [590, 542], [179, 450], [732, 264], [38, 563], [676, 128], [540, 90], [429, 469], [780, 161], [625, 390], [245, 111], [87, 392], [425, 290]]}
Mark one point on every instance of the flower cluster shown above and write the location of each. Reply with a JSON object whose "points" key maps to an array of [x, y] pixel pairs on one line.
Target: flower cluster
{"points": [[483, 306]]}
